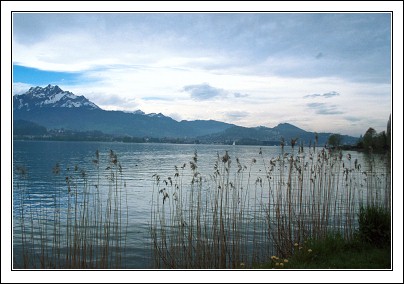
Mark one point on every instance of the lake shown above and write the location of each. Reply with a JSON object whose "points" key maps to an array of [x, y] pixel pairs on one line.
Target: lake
{"points": [[53, 179]]}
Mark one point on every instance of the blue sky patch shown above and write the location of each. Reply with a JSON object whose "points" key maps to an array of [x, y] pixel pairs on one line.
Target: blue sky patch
{"points": [[38, 77]]}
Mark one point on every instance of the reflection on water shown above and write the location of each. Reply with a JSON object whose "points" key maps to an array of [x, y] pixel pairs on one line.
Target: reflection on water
{"points": [[59, 186]]}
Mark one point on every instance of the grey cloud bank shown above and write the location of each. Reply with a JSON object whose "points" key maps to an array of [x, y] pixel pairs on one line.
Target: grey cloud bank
{"points": [[204, 92], [323, 108], [326, 95]]}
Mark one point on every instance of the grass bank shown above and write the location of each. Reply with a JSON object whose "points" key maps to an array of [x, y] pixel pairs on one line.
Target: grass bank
{"points": [[333, 252]]}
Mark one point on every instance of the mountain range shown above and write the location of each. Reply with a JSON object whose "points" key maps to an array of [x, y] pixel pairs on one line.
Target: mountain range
{"points": [[52, 108]]}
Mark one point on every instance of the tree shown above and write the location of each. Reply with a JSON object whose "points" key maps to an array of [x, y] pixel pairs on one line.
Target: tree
{"points": [[389, 132], [380, 141], [373, 141], [334, 140], [368, 139]]}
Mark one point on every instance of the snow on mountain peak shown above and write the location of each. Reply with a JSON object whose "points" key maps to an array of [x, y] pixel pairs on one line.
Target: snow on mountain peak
{"points": [[158, 115], [138, 112], [51, 96]]}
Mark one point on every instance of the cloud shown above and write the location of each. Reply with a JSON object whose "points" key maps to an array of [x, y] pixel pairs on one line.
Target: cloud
{"points": [[330, 94], [312, 96], [353, 118], [208, 41], [325, 95], [238, 95], [176, 116], [319, 55], [236, 115], [110, 101], [259, 63], [155, 99], [325, 109], [204, 91], [20, 88]]}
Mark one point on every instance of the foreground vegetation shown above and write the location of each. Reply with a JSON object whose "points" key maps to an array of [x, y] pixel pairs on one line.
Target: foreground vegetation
{"points": [[77, 225], [369, 249], [236, 219], [333, 252], [305, 208]]}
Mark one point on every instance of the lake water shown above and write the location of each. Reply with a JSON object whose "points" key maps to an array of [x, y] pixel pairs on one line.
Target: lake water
{"points": [[41, 171]]}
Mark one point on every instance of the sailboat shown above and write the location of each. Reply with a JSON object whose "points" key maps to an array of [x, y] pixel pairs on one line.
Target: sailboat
{"points": [[234, 143]]}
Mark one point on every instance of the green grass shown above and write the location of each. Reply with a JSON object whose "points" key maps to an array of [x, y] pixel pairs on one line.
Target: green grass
{"points": [[333, 252]]}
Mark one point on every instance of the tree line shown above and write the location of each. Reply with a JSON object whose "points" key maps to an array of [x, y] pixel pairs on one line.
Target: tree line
{"points": [[369, 142]]}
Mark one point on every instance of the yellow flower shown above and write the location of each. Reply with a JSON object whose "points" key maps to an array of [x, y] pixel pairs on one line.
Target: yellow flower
{"points": [[296, 244], [281, 264], [285, 260], [273, 257], [309, 250], [277, 264]]}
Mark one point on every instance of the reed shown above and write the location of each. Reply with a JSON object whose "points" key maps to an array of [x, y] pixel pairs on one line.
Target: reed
{"points": [[80, 226], [240, 217], [236, 216]]}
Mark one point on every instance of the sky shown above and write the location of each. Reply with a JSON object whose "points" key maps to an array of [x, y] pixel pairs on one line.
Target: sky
{"points": [[323, 72]]}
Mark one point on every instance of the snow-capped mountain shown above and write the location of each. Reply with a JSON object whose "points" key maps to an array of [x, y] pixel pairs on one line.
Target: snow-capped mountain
{"points": [[158, 115], [140, 112], [53, 108], [50, 96]]}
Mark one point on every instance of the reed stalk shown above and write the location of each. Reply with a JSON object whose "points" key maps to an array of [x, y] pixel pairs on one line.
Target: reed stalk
{"points": [[78, 229], [234, 222]]}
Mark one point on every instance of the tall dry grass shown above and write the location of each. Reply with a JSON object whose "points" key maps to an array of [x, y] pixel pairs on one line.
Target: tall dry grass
{"points": [[242, 214], [239, 214], [80, 226]]}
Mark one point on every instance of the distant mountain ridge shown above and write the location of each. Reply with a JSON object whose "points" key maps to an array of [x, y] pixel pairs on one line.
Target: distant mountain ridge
{"points": [[53, 108], [271, 136]]}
